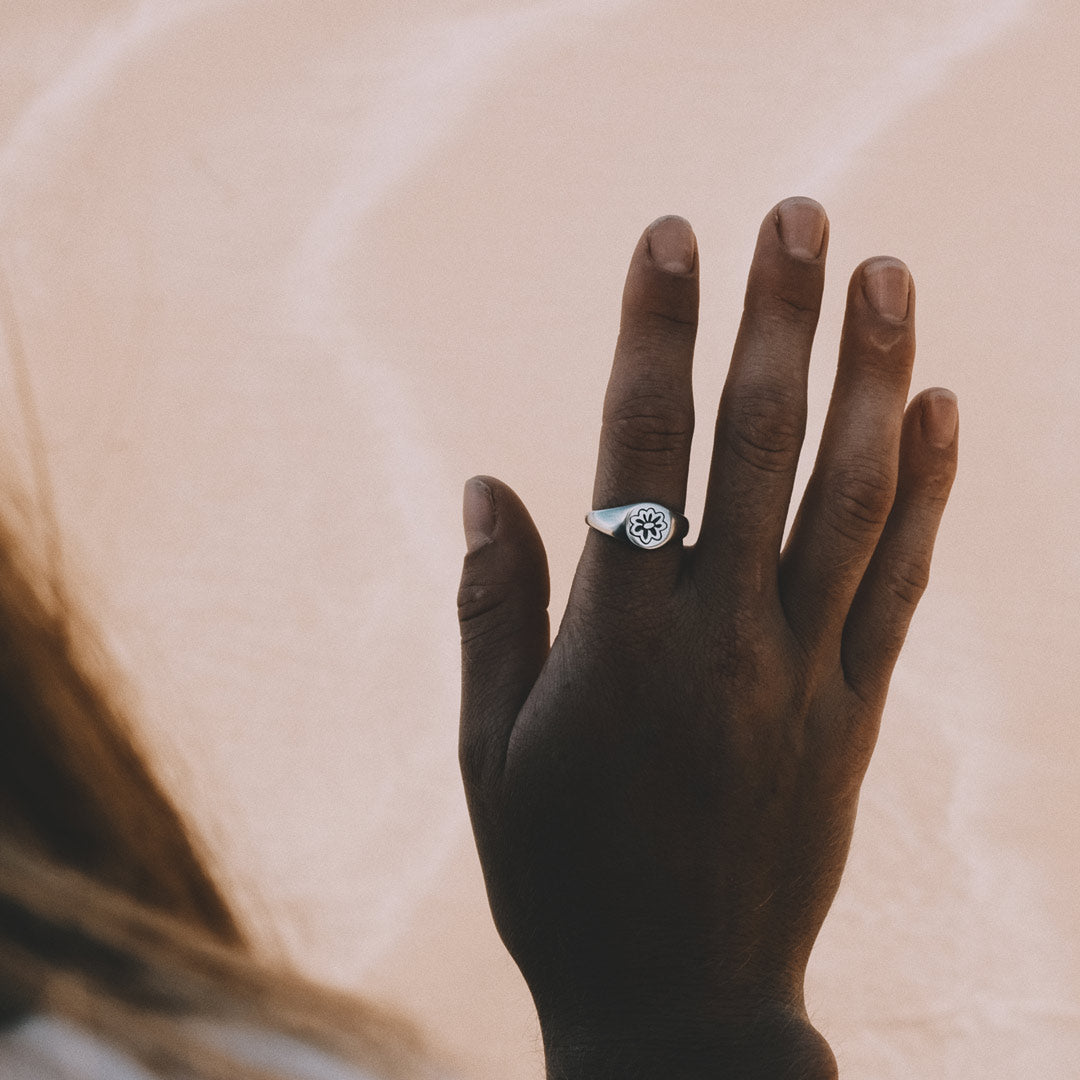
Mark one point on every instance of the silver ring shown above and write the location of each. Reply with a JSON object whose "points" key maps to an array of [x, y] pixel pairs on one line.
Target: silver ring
{"points": [[646, 525]]}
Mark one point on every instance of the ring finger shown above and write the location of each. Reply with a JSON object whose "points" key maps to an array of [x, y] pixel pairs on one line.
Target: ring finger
{"points": [[851, 490]]}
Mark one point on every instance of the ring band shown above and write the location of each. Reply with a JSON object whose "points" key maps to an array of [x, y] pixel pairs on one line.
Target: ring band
{"points": [[645, 525]]}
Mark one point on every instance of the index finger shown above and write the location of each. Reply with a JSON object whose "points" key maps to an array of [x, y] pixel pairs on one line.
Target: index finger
{"points": [[648, 408]]}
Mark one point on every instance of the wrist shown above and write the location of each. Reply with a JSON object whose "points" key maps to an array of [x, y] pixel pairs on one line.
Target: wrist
{"points": [[765, 1048]]}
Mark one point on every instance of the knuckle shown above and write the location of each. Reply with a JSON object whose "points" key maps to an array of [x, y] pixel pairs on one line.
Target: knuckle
{"points": [[935, 486], [880, 344], [860, 497], [784, 305], [891, 343], [767, 429], [652, 425], [658, 326], [481, 613], [789, 306], [738, 649], [652, 337], [470, 760], [859, 737], [907, 580], [474, 759], [934, 498], [753, 672]]}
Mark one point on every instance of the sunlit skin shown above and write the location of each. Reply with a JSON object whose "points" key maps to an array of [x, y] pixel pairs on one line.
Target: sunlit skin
{"points": [[663, 798]]}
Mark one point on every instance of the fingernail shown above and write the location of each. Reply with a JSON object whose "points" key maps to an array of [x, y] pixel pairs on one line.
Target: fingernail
{"points": [[672, 245], [887, 285], [478, 514], [939, 418], [802, 227]]}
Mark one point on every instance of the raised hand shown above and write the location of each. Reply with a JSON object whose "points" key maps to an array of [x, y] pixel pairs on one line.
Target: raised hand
{"points": [[663, 800]]}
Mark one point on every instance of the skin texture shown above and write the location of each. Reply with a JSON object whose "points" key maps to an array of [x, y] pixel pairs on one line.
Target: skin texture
{"points": [[663, 798]]}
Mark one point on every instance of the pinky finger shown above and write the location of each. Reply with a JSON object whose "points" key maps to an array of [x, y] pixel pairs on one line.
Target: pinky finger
{"points": [[900, 568]]}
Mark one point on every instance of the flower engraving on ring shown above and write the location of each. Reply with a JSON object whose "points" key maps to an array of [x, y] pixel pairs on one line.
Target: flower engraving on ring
{"points": [[648, 526]]}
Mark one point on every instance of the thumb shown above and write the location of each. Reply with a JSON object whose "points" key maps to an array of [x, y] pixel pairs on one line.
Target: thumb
{"points": [[502, 611]]}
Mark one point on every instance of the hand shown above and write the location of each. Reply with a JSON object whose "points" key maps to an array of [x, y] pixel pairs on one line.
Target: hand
{"points": [[664, 800]]}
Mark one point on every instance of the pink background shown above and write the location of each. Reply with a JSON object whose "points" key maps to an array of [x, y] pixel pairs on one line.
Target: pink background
{"points": [[286, 273]]}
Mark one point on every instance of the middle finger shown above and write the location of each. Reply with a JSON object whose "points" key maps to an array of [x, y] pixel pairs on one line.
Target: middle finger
{"points": [[762, 417]]}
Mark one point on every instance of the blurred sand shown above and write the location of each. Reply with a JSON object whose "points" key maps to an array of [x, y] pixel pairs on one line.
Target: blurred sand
{"points": [[285, 274]]}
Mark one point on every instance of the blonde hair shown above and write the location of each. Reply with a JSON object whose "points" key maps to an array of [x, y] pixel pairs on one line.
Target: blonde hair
{"points": [[109, 916], [165, 992]]}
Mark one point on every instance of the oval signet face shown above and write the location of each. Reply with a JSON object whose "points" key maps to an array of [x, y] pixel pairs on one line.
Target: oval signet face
{"points": [[648, 525]]}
